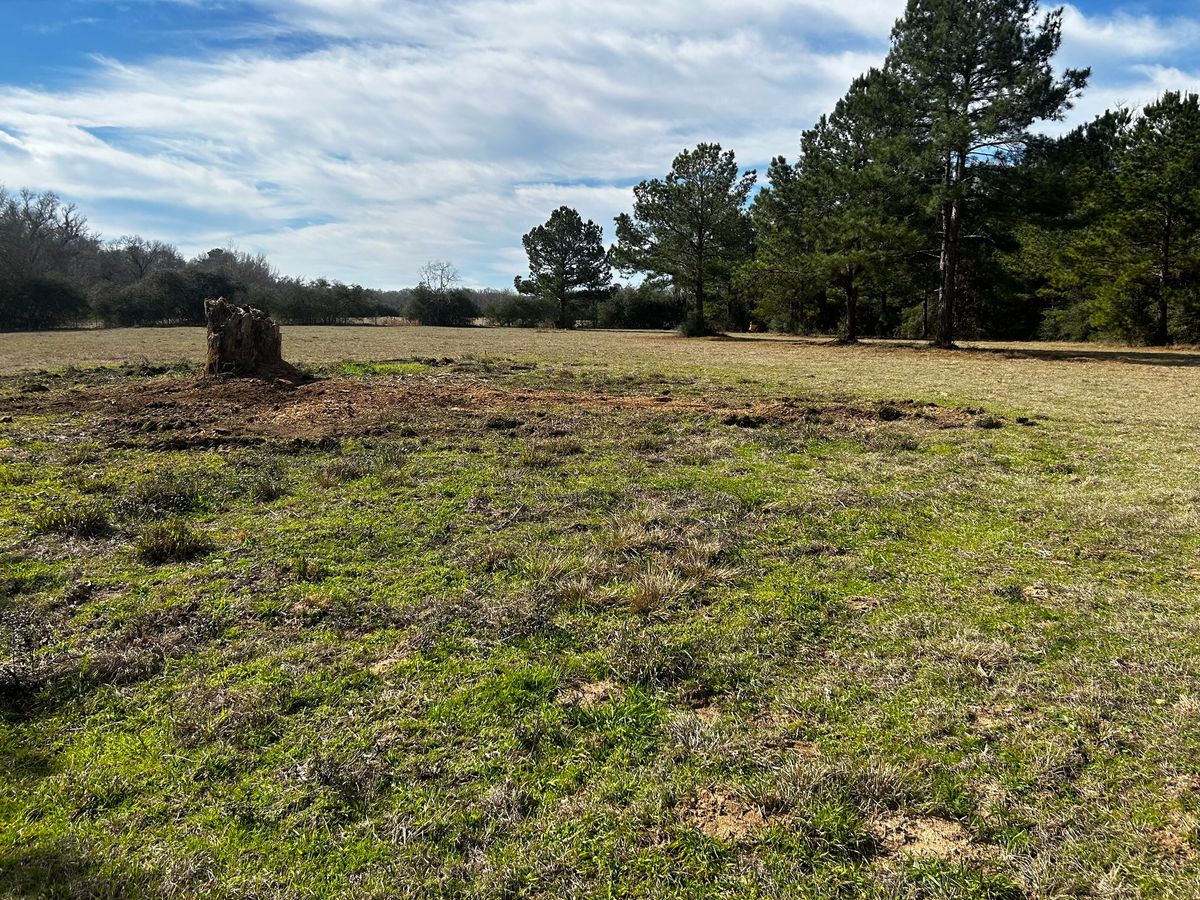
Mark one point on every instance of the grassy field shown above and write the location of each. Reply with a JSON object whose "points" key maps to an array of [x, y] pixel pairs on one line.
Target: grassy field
{"points": [[518, 614]]}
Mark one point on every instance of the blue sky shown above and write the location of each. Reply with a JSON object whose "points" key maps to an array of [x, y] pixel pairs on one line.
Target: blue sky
{"points": [[357, 139]]}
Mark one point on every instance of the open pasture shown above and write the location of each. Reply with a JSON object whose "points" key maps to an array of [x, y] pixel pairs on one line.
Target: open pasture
{"points": [[510, 613]]}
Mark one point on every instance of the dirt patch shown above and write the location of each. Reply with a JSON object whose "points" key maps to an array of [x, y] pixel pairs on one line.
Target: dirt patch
{"points": [[386, 664], [724, 816], [863, 605], [992, 718], [900, 834], [1177, 849], [177, 413], [591, 694], [1036, 593]]}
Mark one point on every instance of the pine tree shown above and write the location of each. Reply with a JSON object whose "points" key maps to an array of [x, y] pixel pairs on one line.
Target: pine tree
{"points": [[779, 275], [1157, 213], [567, 264], [691, 227], [1064, 189], [975, 75], [858, 202]]}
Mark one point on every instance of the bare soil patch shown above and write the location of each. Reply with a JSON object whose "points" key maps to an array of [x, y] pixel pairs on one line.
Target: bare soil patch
{"points": [[724, 816], [188, 412], [901, 834], [591, 694]]}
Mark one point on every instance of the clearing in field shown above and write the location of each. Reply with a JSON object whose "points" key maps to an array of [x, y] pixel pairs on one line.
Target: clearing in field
{"points": [[611, 615]]}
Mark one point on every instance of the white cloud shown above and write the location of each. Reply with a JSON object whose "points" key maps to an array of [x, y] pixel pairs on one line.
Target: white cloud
{"points": [[446, 129], [1123, 36]]}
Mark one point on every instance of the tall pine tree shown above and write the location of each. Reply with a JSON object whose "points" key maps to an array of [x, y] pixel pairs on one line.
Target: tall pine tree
{"points": [[691, 227], [567, 264], [858, 203], [1157, 213], [976, 74]]}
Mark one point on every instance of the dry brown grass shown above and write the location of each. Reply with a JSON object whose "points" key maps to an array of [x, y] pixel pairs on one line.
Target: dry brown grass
{"points": [[1119, 384]]}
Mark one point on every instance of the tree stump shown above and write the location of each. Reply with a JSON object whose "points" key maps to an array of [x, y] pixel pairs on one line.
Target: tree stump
{"points": [[244, 341]]}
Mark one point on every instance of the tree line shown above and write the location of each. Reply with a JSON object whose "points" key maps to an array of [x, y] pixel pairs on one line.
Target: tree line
{"points": [[924, 206], [56, 272]]}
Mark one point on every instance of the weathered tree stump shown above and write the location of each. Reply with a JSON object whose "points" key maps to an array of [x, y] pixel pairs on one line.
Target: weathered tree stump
{"points": [[244, 341]]}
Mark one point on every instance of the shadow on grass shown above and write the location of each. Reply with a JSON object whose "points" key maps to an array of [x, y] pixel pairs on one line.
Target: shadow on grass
{"points": [[1132, 356], [1080, 353], [64, 869]]}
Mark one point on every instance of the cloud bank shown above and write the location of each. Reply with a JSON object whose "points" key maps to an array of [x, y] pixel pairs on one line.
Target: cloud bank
{"points": [[406, 131]]}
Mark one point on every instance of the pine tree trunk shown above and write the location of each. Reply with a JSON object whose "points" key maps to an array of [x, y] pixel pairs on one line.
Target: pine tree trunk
{"points": [[1161, 327], [243, 341], [948, 267], [701, 321], [851, 336], [949, 277]]}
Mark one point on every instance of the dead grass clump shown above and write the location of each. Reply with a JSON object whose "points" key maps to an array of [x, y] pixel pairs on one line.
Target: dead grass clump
{"points": [[809, 781], [266, 483], [537, 457], [889, 441], [563, 446], [576, 590], [648, 443], [488, 618], [698, 736], [548, 568], [142, 648], [229, 715], [493, 558], [656, 587], [505, 805], [654, 655], [337, 786], [640, 530], [696, 559], [341, 471]]}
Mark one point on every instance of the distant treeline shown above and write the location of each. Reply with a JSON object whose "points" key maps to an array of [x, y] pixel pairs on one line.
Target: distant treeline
{"points": [[55, 273]]}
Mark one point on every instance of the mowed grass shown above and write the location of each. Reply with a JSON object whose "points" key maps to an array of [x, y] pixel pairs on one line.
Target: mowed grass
{"points": [[604, 615]]}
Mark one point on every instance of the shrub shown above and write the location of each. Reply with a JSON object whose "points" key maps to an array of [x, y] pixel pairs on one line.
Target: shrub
{"points": [[645, 306], [174, 541], [520, 311], [454, 307]]}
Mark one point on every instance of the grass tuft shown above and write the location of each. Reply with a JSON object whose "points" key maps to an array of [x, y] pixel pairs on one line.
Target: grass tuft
{"points": [[80, 520], [173, 541]]}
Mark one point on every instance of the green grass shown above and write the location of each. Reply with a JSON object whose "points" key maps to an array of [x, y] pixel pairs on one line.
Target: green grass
{"points": [[607, 647]]}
